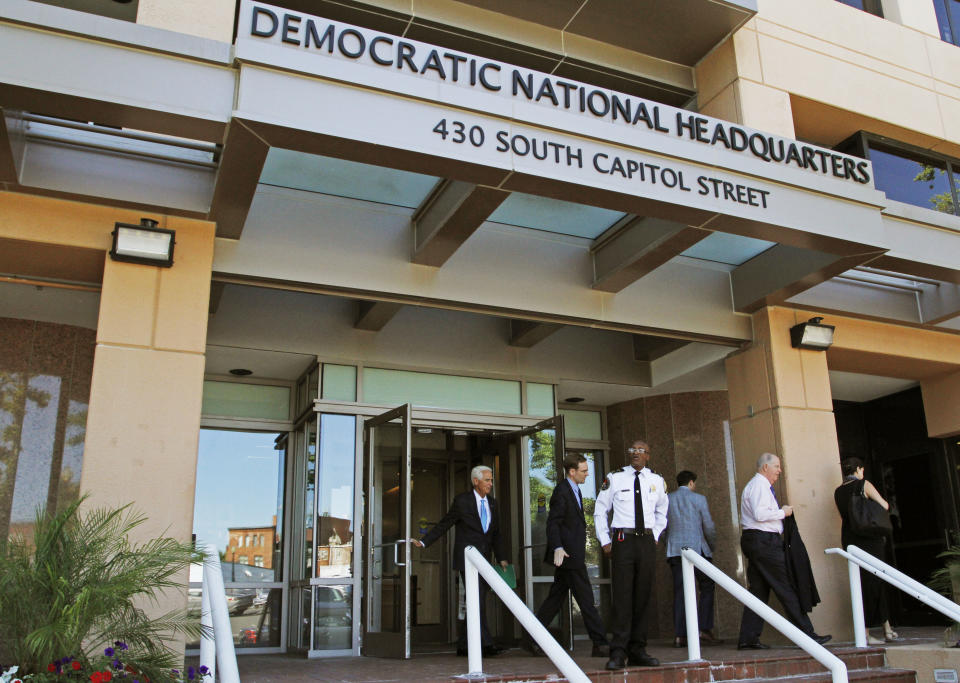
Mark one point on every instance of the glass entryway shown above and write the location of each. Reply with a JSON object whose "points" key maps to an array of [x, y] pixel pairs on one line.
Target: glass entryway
{"points": [[362, 483]]}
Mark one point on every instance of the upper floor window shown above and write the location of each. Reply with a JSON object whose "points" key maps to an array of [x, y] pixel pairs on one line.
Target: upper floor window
{"points": [[871, 6], [948, 17], [910, 175]]}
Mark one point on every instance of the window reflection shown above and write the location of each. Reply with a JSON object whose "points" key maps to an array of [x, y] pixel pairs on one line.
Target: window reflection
{"points": [[948, 18], [45, 371], [333, 618], [918, 181], [541, 450], [335, 496], [238, 503]]}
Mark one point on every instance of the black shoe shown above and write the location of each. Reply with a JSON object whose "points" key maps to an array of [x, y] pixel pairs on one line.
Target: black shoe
{"points": [[755, 645], [600, 650], [616, 662], [643, 659], [531, 648], [492, 650], [821, 639], [679, 642]]}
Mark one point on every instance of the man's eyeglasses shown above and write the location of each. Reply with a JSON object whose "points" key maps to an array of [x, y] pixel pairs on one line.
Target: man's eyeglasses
{"points": [[638, 450]]}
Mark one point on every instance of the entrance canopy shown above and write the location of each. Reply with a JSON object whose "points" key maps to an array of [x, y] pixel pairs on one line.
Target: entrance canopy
{"points": [[521, 192]]}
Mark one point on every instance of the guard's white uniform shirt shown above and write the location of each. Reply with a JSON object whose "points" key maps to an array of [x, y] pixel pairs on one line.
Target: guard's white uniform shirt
{"points": [[758, 507], [617, 495]]}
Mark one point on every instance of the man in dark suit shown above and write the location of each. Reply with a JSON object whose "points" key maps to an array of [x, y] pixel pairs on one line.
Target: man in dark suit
{"points": [[474, 513], [566, 550]]}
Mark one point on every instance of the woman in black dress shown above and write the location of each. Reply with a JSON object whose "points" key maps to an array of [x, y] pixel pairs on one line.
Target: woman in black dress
{"points": [[874, 592]]}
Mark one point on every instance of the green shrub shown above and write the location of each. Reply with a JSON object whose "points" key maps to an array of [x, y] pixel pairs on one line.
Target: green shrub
{"points": [[79, 586]]}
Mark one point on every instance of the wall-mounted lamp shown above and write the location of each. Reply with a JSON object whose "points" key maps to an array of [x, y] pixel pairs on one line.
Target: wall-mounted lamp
{"points": [[812, 335], [144, 243]]}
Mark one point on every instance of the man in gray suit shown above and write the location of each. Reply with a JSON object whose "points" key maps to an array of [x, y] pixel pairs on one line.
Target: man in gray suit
{"points": [[689, 525]]}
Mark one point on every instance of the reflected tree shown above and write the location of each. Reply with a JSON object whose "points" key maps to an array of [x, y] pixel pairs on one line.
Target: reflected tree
{"points": [[15, 394], [943, 201]]}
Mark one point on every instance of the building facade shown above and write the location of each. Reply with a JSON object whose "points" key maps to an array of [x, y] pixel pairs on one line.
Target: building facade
{"points": [[413, 237]]}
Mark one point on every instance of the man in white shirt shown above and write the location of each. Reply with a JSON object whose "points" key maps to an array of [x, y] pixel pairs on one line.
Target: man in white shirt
{"points": [[638, 498], [761, 518]]}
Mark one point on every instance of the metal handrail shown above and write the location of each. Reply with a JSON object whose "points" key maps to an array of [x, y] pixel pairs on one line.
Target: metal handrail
{"points": [[691, 559], [858, 559], [475, 565], [214, 615]]}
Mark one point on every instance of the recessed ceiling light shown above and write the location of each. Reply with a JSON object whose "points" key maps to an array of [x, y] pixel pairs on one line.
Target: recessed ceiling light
{"points": [[241, 372], [573, 399], [424, 430]]}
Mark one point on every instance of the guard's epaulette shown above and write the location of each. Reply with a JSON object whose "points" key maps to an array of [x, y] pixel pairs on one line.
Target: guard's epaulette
{"points": [[606, 482]]}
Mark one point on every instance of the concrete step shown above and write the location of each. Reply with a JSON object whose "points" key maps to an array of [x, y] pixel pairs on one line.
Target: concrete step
{"points": [[873, 675], [862, 665]]}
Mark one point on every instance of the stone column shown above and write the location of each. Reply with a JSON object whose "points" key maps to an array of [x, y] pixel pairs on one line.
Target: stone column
{"points": [[145, 398], [780, 402]]}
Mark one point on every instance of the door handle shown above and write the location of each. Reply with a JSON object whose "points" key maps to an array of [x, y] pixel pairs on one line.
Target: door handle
{"points": [[396, 559]]}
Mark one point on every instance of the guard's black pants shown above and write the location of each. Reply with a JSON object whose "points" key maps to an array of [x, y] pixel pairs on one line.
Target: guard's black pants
{"points": [[766, 569], [633, 558], [576, 581], [704, 604]]}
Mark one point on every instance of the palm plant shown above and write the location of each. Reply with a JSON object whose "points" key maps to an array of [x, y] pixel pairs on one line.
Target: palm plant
{"points": [[81, 584]]}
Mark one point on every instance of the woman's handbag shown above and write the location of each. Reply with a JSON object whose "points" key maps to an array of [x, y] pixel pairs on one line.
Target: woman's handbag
{"points": [[867, 517]]}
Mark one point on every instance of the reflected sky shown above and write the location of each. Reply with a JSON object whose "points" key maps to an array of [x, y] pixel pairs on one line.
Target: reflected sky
{"points": [[912, 182], [237, 483]]}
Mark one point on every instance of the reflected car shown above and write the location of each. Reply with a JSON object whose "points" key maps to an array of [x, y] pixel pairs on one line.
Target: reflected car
{"points": [[239, 602], [332, 607]]}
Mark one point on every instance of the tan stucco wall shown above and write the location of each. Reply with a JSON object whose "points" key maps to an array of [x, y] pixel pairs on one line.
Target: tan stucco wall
{"points": [[941, 405], [144, 412], [780, 402], [824, 70], [203, 18]]}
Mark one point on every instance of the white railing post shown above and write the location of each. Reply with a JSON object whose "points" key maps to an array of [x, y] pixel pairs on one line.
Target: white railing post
{"points": [[474, 643], [208, 647], [690, 608], [226, 655], [838, 670], [897, 579], [931, 597], [856, 604], [474, 561]]}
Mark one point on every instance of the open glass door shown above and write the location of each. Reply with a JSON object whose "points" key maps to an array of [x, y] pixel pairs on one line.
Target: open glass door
{"points": [[541, 448], [386, 626]]}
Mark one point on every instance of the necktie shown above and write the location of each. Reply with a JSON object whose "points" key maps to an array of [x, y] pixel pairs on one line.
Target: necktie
{"points": [[484, 522], [638, 516], [774, 493], [579, 500]]}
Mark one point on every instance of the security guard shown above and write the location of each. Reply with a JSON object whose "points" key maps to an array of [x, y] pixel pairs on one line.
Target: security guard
{"points": [[638, 498]]}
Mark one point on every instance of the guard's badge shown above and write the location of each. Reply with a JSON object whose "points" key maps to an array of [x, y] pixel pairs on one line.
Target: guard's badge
{"points": [[606, 483]]}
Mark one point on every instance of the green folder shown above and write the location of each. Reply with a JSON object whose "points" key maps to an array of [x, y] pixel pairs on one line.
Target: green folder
{"points": [[508, 574]]}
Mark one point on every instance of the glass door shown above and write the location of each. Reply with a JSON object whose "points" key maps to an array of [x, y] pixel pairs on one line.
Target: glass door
{"points": [[386, 624]]}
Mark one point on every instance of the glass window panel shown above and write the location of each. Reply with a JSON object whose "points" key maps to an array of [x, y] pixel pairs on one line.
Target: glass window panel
{"points": [[313, 385], [311, 481], [339, 382], [235, 399], [871, 6], [542, 469], [918, 181], [239, 493], [582, 424], [540, 400], [333, 618], [254, 615], [338, 437], [588, 490], [394, 387], [948, 18]]}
